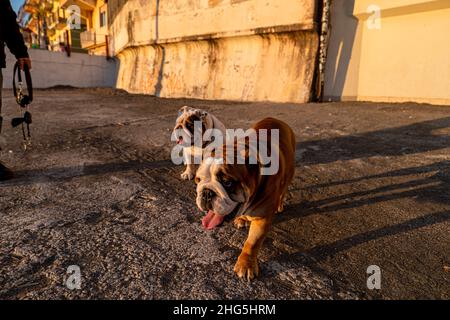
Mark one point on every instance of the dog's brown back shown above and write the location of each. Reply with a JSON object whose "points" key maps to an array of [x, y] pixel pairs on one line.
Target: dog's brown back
{"points": [[268, 198]]}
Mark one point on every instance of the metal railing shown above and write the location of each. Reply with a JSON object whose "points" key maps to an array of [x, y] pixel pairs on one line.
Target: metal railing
{"points": [[92, 38]]}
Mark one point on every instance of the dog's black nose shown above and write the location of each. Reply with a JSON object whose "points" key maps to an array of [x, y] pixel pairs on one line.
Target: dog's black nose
{"points": [[207, 195]]}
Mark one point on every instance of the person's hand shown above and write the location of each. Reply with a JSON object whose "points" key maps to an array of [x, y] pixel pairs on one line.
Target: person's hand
{"points": [[24, 62]]}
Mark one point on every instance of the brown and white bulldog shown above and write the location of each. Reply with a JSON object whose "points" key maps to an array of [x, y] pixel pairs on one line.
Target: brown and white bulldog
{"points": [[185, 122], [224, 188]]}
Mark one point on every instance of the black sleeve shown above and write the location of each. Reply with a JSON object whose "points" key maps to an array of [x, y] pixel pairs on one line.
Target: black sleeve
{"points": [[10, 30]]}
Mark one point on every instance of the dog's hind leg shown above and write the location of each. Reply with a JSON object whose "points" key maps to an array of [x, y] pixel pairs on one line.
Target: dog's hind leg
{"points": [[281, 203], [284, 193], [282, 200]]}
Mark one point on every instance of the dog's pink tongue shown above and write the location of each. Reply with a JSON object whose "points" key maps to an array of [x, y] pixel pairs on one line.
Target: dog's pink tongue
{"points": [[212, 220]]}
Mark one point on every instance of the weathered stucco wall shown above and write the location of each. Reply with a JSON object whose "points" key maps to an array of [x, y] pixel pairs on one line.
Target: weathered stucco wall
{"points": [[216, 49]]}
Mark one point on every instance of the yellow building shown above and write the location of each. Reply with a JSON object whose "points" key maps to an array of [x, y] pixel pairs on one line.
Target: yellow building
{"points": [[95, 38], [81, 24], [91, 35], [390, 51], [58, 32], [36, 13], [48, 20]]}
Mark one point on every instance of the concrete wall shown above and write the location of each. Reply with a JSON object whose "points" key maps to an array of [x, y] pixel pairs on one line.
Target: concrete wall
{"points": [[56, 69], [406, 59], [215, 49]]}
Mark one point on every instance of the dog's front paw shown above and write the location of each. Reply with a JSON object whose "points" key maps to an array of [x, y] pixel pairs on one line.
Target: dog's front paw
{"points": [[246, 267], [187, 175], [240, 223]]}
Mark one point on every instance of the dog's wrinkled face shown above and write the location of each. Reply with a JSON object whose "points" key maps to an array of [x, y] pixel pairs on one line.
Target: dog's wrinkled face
{"points": [[222, 188], [185, 125]]}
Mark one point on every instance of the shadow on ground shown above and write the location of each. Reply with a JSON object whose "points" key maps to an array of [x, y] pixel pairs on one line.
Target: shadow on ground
{"points": [[410, 139]]}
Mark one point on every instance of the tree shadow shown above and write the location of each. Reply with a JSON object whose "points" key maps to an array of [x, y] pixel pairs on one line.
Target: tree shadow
{"points": [[27, 177], [435, 188], [327, 250], [409, 139], [322, 252], [314, 256]]}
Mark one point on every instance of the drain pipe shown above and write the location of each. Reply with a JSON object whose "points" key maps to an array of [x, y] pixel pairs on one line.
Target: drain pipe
{"points": [[324, 32]]}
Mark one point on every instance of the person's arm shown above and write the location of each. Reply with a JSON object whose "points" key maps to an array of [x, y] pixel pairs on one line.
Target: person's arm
{"points": [[12, 35]]}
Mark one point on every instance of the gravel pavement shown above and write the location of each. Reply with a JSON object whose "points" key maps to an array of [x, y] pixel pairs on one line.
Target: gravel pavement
{"points": [[98, 190]]}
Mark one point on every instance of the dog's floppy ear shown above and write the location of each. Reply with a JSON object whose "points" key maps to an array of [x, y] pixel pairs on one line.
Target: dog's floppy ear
{"points": [[201, 114]]}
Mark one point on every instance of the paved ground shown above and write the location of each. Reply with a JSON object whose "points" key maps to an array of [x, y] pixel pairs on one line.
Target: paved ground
{"points": [[97, 190]]}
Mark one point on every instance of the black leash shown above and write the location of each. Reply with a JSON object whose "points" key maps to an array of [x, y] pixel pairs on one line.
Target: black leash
{"points": [[23, 100]]}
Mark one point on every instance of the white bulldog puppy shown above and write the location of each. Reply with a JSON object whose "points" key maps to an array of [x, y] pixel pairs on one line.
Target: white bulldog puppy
{"points": [[185, 134]]}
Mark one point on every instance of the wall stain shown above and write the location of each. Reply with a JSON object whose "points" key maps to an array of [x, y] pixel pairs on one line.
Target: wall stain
{"points": [[213, 57], [162, 50], [162, 58]]}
